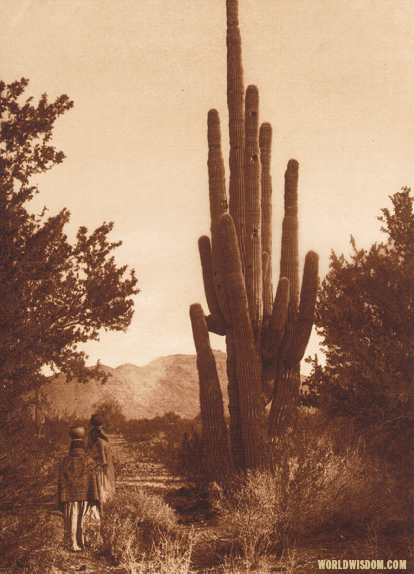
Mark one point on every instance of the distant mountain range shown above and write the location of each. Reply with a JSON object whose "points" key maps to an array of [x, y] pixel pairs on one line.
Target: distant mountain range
{"points": [[167, 384]]}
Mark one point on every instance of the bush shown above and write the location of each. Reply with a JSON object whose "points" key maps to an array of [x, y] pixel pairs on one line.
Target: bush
{"points": [[251, 515], [112, 412], [29, 459], [136, 523], [160, 439], [191, 462], [29, 541], [170, 557], [309, 488]]}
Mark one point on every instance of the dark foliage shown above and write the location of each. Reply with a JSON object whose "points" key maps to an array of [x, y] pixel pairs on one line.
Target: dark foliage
{"points": [[54, 295], [192, 460], [173, 441], [365, 316], [112, 412]]}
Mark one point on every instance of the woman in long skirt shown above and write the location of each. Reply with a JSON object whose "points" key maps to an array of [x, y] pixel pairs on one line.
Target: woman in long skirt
{"points": [[100, 449], [78, 494]]}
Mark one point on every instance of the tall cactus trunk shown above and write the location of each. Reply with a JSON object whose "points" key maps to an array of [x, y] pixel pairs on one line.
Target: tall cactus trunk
{"points": [[265, 144], [266, 334], [253, 214], [248, 366], [235, 103]]}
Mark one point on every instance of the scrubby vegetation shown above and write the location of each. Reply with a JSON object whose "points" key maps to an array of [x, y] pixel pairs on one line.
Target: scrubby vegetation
{"points": [[138, 525], [317, 487], [325, 481], [327, 492], [172, 440]]}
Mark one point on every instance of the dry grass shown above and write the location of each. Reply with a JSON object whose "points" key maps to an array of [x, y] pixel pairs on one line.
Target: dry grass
{"points": [[315, 500], [310, 489], [139, 528], [169, 556]]}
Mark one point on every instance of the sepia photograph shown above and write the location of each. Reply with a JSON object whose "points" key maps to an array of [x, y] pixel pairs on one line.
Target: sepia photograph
{"points": [[206, 286]]}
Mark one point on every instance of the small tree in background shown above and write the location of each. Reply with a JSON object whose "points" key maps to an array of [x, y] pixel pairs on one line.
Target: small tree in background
{"points": [[111, 410]]}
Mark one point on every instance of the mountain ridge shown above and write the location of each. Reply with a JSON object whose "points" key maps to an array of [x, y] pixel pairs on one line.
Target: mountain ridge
{"points": [[165, 384]]}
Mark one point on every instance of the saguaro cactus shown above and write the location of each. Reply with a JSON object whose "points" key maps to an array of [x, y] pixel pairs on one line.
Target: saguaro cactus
{"points": [[266, 334]]}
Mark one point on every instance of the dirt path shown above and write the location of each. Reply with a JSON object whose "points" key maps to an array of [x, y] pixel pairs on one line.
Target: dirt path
{"points": [[132, 470]]}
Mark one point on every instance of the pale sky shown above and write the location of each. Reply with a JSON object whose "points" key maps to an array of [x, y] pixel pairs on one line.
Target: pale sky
{"points": [[336, 81]]}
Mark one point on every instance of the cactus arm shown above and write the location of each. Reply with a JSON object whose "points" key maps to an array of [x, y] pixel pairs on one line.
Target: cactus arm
{"points": [[218, 206], [248, 365], [268, 379], [289, 260], [265, 144], [304, 321], [235, 103], [211, 401], [204, 247], [265, 266], [253, 213], [287, 380], [273, 336], [214, 327], [272, 339]]}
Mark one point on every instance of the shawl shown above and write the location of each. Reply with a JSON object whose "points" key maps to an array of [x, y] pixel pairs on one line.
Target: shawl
{"points": [[77, 481]]}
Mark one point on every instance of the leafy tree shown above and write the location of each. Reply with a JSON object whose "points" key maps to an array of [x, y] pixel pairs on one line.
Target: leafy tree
{"points": [[53, 294], [365, 316], [112, 412]]}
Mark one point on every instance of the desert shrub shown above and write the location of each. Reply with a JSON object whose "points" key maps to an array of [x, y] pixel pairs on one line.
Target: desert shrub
{"points": [[28, 460], [159, 439], [27, 537], [308, 488], [169, 557], [251, 515], [136, 523], [112, 411], [191, 461]]}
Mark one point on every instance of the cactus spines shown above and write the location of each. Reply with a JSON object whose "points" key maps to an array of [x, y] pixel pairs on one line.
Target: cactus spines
{"points": [[266, 334]]}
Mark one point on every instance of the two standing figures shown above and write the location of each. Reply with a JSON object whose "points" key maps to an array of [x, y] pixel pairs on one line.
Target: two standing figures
{"points": [[86, 481]]}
